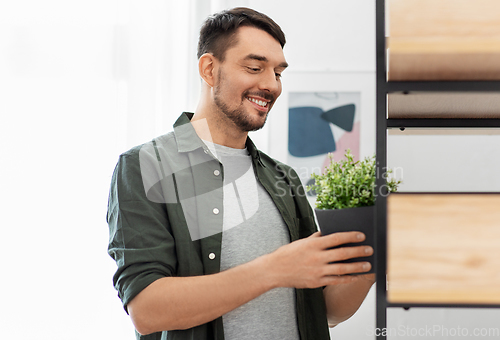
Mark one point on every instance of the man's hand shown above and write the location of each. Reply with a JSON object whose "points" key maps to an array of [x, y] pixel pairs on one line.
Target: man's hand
{"points": [[306, 263], [185, 302]]}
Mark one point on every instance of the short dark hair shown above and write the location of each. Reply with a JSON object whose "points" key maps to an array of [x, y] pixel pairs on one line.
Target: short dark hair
{"points": [[217, 34]]}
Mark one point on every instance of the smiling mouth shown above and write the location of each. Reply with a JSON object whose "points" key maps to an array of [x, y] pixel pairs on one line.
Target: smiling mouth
{"points": [[261, 103]]}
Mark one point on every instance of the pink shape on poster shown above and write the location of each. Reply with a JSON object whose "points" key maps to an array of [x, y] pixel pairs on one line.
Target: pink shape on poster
{"points": [[349, 140]]}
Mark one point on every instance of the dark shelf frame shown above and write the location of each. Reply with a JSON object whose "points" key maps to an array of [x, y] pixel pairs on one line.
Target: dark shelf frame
{"points": [[382, 124], [442, 123], [381, 160]]}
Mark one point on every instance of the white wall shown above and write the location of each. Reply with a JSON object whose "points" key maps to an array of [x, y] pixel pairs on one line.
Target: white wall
{"points": [[57, 144]]}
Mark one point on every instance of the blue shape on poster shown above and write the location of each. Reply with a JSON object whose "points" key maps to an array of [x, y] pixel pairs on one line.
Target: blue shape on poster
{"points": [[342, 116], [308, 133]]}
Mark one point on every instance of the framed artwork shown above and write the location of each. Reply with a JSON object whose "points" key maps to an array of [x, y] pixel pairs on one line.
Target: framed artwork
{"points": [[322, 113]]}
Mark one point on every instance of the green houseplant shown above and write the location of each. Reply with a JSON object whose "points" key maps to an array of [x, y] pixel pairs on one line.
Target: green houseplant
{"points": [[346, 193]]}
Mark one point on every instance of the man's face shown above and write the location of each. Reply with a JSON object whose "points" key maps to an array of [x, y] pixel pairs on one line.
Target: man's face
{"points": [[248, 81]]}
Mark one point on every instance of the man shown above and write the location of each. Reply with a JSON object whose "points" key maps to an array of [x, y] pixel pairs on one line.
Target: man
{"points": [[213, 238]]}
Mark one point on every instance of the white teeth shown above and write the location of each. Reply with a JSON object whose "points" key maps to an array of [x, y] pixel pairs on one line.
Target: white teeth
{"points": [[258, 102]]}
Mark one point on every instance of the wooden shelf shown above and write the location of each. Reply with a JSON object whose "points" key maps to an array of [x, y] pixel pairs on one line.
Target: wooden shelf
{"points": [[443, 40], [443, 105], [443, 248], [443, 59], [437, 249]]}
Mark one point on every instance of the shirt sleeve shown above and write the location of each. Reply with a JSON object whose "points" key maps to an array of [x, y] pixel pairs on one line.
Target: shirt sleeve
{"points": [[140, 236]]}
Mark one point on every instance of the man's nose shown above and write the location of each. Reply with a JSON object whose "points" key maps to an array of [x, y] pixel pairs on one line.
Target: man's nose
{"points": [[269, 82]]}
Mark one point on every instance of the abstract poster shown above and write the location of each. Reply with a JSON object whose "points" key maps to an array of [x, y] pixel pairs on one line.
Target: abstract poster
{"points": [[320, 123]]}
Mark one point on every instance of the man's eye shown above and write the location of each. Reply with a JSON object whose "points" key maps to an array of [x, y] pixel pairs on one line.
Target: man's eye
{"points": [[254, 69], [278, 75]]}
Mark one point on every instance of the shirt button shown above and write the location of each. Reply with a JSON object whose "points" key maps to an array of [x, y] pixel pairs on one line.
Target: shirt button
{"points": [[205, 151], [215, 211], [216, 172], [211, 256]]}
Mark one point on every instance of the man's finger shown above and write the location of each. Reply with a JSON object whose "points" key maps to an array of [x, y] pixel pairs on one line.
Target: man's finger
{"points": [[336, 239], [345, 253], [348, 268]]}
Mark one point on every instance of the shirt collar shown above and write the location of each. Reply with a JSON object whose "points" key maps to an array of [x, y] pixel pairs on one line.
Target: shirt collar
{"points": [[185, 134], [252, 149], [188, 140]]}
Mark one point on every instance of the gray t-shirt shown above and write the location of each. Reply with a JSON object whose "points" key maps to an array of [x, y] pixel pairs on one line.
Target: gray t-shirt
{"points": [[252, 227]]}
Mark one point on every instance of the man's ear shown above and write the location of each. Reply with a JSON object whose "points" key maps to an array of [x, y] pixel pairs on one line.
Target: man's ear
{"points": [[206, 68]]}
